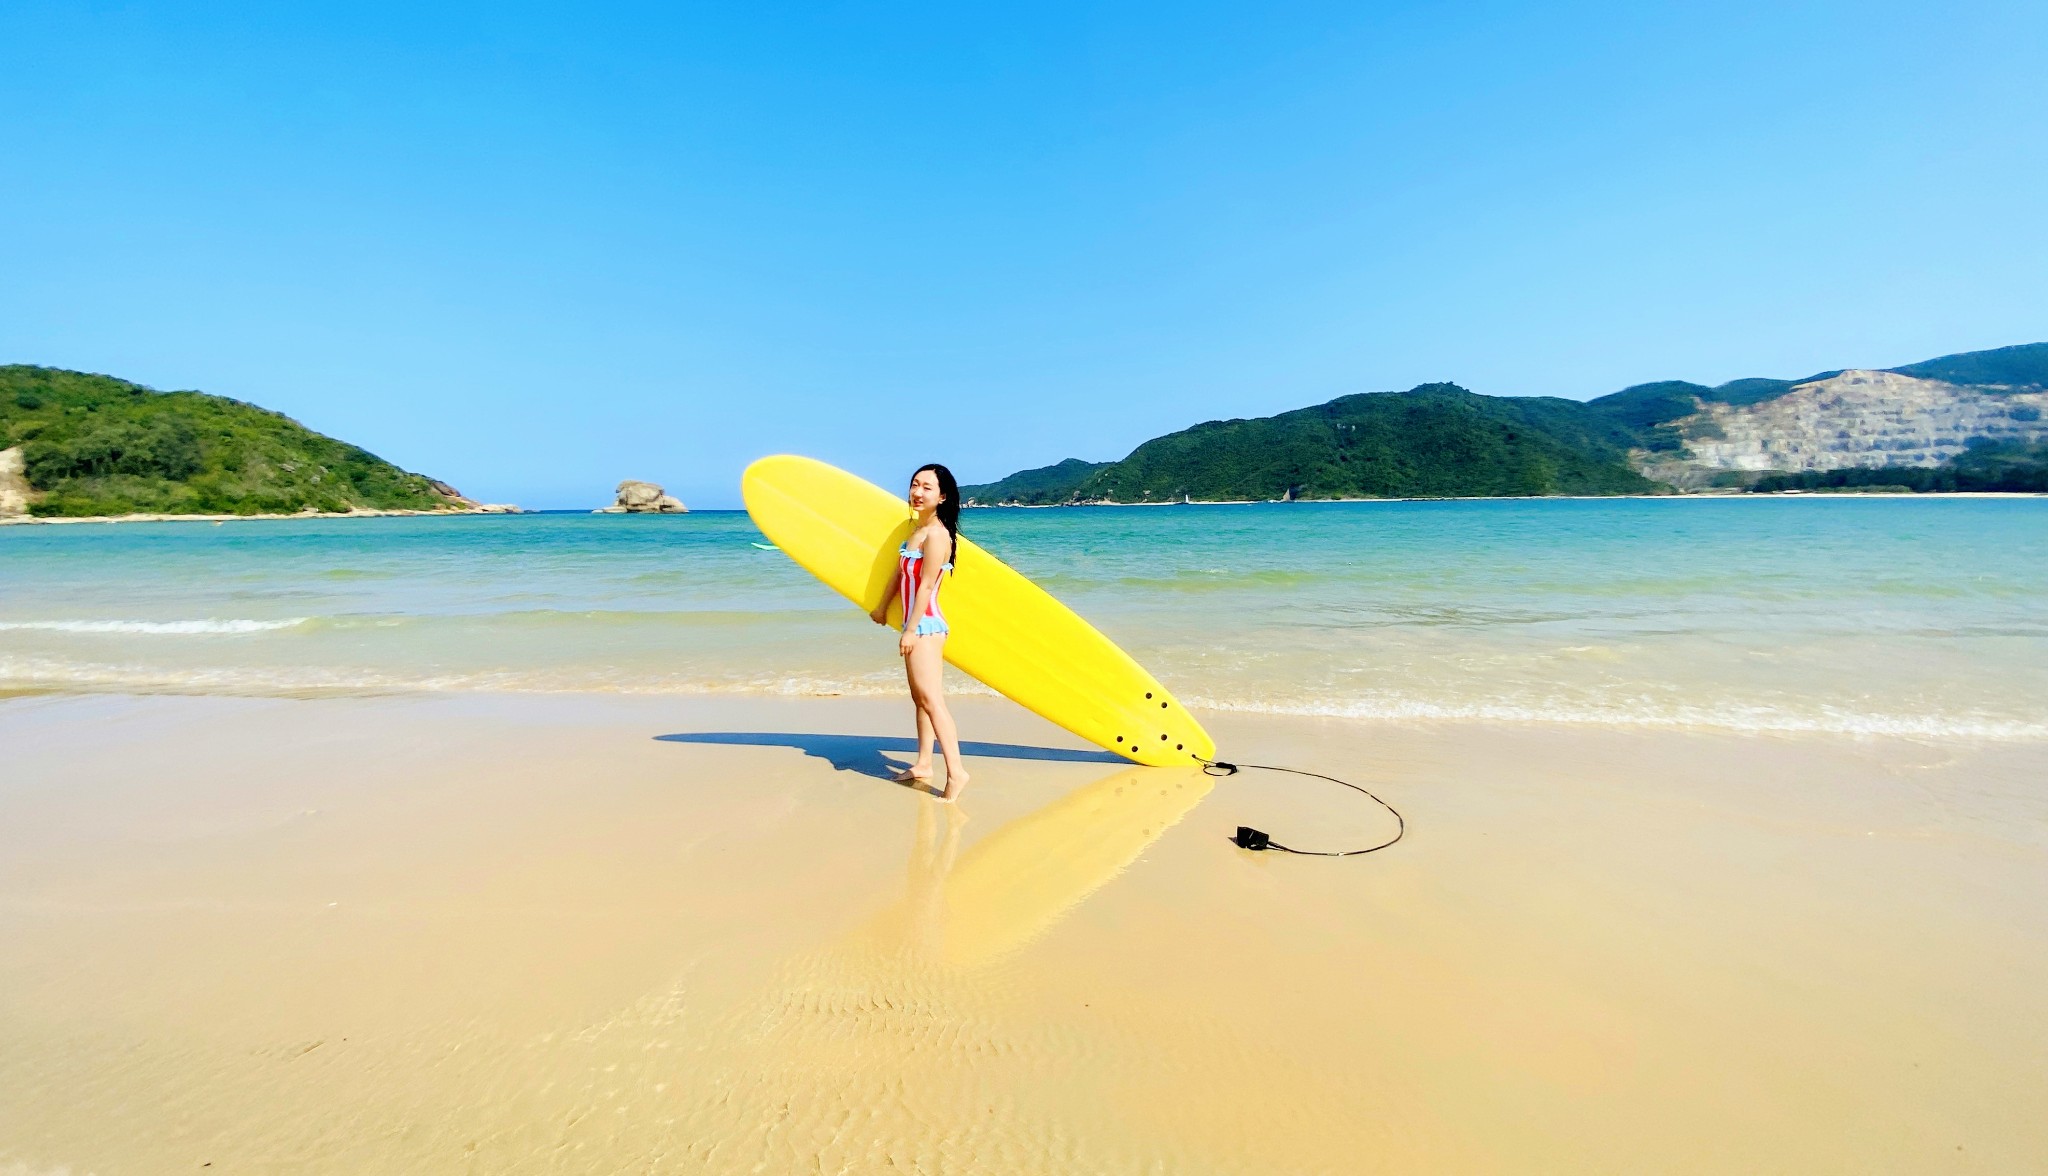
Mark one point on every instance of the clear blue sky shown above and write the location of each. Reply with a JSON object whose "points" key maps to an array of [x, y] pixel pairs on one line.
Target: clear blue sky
{"points": [[535, 249]]}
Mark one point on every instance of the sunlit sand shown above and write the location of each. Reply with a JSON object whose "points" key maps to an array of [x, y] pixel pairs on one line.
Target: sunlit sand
{"points": [[594, 934]]}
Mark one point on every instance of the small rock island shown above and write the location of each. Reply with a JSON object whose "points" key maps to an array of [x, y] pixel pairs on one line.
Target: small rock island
{"points": [[637, 497]]}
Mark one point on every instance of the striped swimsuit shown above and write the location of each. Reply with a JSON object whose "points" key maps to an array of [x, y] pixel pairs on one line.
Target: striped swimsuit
{"points": [[933, 621]]}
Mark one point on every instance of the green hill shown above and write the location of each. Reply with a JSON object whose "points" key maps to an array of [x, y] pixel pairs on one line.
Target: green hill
{"points": [[1434, 441], [1641, 415], [1646, 407], [1039, 487], [2024, 366], [95, 445], [1441, 441]]}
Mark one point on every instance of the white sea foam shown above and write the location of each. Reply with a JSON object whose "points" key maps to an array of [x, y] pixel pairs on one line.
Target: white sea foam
{"points": [[155, 628], [1731, 717], [44, 674], [1726, 716]]}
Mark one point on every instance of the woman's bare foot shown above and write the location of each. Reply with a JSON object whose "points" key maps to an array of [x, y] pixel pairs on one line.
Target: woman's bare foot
{"points": [[955, 781], [913, 775]]}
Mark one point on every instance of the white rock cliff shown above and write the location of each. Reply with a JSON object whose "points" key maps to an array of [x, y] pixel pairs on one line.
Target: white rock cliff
{"points": [[1857, 418], [13, 482]]}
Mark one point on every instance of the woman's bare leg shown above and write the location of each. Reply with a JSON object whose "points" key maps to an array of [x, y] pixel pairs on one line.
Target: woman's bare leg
{"points": [[925, 735], [927, 666], [921, 768]]}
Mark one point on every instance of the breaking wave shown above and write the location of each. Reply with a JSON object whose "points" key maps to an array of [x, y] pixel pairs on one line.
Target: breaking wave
{"points": [[18, 674], [156, 628], [1732, 718]]}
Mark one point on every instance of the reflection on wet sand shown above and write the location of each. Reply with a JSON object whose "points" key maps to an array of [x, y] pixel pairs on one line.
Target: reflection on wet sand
{"points": [[409, 935], [919, 1041], [1015, 884]]}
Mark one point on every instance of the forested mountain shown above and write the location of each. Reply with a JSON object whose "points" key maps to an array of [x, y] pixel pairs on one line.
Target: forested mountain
{"points": [[1437, 440], [1433, 441], [95, 445], [1046, 484], [2021, 367], [1441, 441]]}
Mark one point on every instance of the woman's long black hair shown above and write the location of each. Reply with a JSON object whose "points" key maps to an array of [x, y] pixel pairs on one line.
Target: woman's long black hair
{"points": [[948, 510]]}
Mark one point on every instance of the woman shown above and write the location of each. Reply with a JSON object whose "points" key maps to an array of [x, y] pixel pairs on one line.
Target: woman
{"points": [[921, 565]]}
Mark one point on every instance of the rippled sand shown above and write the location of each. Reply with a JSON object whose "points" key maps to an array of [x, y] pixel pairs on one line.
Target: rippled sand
{"points": [[532, 935]]}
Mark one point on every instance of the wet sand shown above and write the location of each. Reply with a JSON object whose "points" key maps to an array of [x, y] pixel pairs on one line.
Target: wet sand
{"points": [[603, 934]]}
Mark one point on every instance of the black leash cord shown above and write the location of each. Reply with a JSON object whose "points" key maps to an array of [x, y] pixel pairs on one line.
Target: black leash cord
{"points": [[1250, 838]]}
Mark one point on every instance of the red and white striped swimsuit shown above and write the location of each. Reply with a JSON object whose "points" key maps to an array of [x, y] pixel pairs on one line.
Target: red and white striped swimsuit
{"points": [[933, 621]]}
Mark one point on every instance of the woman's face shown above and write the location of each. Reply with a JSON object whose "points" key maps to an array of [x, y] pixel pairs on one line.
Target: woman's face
{"points": [[924, 491]]}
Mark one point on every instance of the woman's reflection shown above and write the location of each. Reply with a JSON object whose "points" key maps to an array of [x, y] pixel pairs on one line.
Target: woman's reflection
{"points": [[1015, 884]]}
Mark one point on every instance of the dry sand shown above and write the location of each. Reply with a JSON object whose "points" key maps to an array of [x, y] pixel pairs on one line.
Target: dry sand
{"points": [[506, 935]]}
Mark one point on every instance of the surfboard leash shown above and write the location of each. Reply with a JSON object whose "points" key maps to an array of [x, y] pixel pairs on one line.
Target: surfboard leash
{"points": [[1250, 838]]}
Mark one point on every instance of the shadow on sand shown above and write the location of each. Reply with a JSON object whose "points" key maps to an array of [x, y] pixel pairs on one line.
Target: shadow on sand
{"points": [[871, 755]]}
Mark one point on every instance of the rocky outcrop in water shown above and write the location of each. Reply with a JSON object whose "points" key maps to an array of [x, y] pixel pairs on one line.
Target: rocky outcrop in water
{"points": [[465, 502], [636, 497]]}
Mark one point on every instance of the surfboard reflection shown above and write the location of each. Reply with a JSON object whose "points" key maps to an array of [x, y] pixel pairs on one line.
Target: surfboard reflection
{"points": [[971, 909], [919, 1040]]}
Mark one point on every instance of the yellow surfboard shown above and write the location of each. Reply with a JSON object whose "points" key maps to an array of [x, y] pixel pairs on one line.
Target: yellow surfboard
{"points": [[1006, 631]]}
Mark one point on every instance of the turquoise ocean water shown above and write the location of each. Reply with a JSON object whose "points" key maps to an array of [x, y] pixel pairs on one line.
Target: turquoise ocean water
{"points": [[1917, 616]]}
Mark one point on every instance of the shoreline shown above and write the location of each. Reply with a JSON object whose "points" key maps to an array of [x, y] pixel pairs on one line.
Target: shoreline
{"points": [[367, 513], [1413, 718], [1695, 496], [25, 520]]}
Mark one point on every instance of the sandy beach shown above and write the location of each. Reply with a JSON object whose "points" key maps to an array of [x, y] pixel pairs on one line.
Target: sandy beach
{"points": [[601, 934], [1622, 581]]}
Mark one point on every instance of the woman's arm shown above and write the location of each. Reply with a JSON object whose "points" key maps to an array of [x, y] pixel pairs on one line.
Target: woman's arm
{"points": [[880, 613]]}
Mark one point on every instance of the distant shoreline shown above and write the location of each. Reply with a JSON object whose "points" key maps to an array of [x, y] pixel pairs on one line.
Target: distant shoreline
{"points": [[57, 520], [1523, 498], [64, 520]]}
